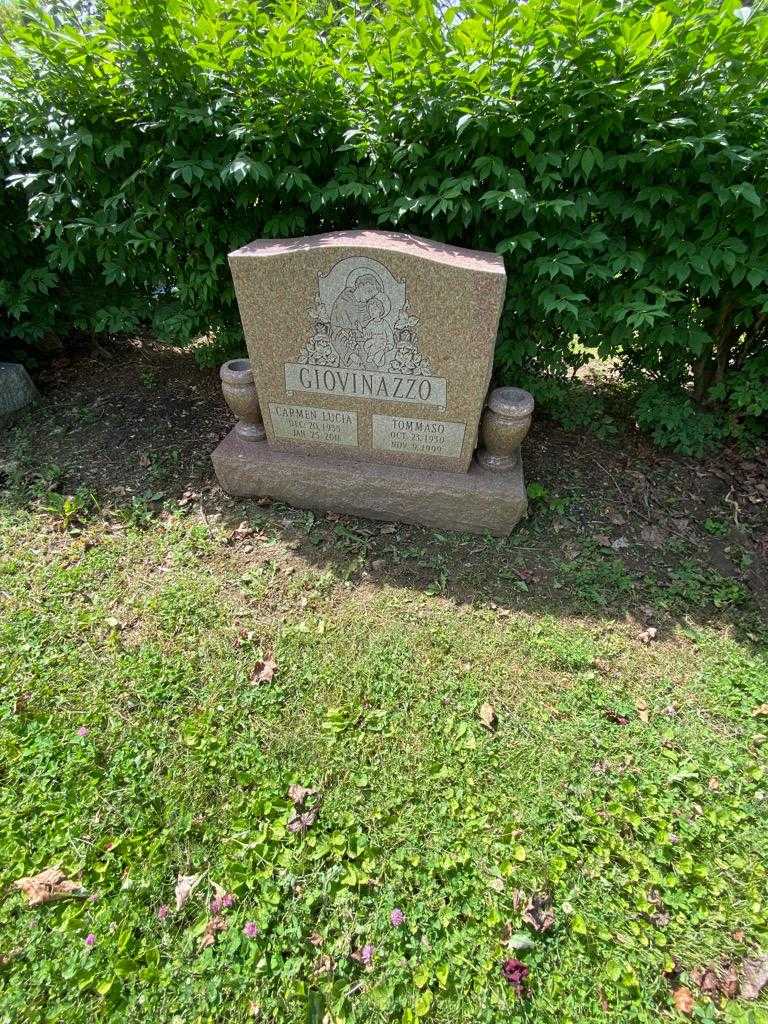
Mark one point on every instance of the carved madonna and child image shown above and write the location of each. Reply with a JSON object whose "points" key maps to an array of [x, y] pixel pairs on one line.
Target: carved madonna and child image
{"points": [[361, 321]]}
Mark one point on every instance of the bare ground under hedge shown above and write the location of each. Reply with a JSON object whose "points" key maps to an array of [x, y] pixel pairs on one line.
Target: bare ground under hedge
{"points": [[138, 422]]}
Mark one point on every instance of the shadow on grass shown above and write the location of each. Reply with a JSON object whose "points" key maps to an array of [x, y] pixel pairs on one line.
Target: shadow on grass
{"points": [[620, 529]]}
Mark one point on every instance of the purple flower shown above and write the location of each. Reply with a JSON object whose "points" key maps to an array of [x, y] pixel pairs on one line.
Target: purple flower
{"points": [[366, 954], [83, 731], [397, 917], [216, 904], [162, 912], [227, 900], [90, 938], [515, 973], [250, 930]]}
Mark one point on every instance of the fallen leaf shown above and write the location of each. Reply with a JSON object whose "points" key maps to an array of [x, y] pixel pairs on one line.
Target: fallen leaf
{"points": [[185, 885], [215, 924], [603, 540], [301, 822], [47, 886], [729, 984], [620, 543], [538, 912], [706, 980], [389, 528], [242, 532], [713, 785], [518, 898], [738, 935], [298, 794], [642, 711], [488, 717], [263, 671], [647, 635], [316, 939], [325, 964], [755, 977], [761, 711], [615, 716], [10, 956], [683, 1000]]}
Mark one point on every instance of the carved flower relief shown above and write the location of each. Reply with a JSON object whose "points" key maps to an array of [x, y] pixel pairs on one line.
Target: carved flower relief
{"points": [[320, 352], [407, 361]]}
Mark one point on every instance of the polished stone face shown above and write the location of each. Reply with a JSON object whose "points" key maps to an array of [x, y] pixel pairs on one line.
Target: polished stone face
{"points": [[370, 346]]}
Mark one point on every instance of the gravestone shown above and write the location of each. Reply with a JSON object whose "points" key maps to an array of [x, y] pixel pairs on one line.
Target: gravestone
{"points": [[370, 356], [16, 389]]}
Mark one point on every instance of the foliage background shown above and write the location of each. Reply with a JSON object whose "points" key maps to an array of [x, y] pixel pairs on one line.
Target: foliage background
{"points": [[615, 152]]}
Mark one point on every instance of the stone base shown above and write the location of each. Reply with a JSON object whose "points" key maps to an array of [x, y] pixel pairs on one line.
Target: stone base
{"points": [[479, 501]]}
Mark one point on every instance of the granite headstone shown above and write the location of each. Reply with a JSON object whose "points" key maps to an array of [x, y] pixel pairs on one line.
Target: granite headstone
{"points": [[370, 356]]}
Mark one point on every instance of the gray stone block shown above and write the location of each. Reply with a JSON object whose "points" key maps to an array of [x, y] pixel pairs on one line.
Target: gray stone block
{"points": [[16, 388]]}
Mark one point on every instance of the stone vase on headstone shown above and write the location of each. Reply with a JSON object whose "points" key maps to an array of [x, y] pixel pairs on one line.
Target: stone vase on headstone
{"points": [[370, 356]]}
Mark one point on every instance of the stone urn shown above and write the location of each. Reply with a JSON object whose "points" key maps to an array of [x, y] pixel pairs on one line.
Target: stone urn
{"points": [[505, 423], [241, 397]]}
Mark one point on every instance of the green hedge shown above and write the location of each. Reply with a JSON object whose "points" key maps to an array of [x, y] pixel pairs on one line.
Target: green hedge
{"points": [[614, 151]]}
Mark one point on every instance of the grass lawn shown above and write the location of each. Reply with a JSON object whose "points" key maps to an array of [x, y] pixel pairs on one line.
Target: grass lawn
{"points": [[609, 830]]}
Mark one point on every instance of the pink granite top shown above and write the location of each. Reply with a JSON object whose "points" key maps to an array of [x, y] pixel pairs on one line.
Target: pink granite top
{"points": [[410, 245]]}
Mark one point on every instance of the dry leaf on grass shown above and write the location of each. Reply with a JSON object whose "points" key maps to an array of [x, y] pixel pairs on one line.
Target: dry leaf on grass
{"points": [[263, 671], [301, 822], [683, 1000], [642, 711], [185, 885], [298, 794], [729, 984], [647, 635], [715, 985], [615, 716], [215, 925], [324, 964], [761, 711], [47, 886], [706, 979], [538, 912], [755, 977], [488, 718]]}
